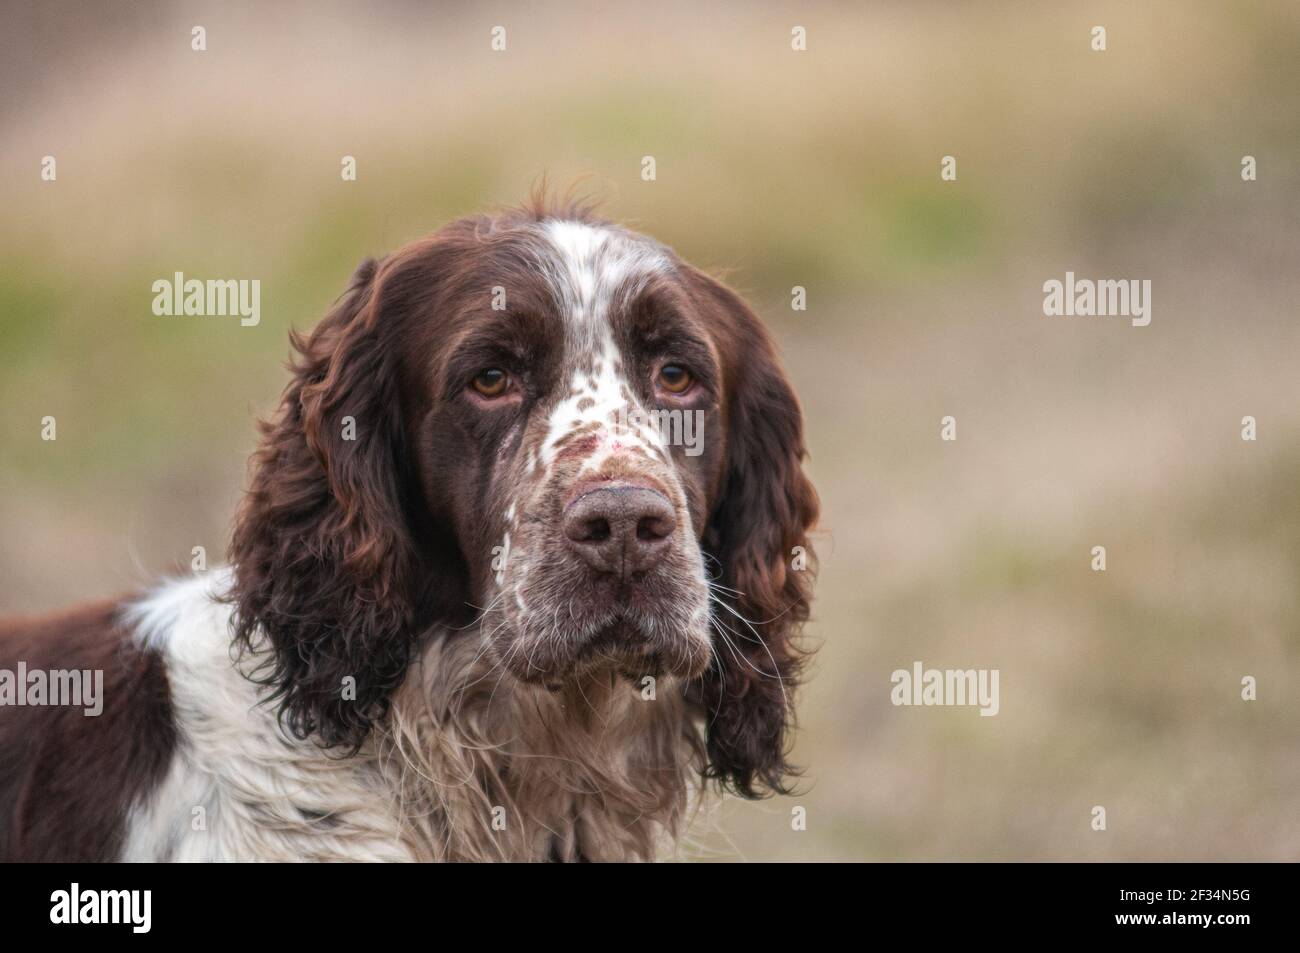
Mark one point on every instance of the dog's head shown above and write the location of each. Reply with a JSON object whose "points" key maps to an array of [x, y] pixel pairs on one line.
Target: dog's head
{"points": [[557, 425]]}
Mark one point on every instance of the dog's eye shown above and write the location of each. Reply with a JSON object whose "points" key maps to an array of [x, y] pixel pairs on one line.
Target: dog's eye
{"points": [[491, 382], [674, 378]]}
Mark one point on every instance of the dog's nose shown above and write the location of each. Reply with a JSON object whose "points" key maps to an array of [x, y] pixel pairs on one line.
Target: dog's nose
{"points": [[620, 529]]}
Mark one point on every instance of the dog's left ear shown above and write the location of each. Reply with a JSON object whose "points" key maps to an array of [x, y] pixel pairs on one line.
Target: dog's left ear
{"points": [[758, 534]]}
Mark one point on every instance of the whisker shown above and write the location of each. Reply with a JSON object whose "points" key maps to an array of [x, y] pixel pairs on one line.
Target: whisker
{"points": [[776, 669]]}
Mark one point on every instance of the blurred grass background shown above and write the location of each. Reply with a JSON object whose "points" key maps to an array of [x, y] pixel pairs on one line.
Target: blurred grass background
{"points": [[777, 169]]}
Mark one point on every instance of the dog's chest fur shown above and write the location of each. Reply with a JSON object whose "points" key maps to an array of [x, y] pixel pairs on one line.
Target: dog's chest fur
{"points": [[468, 765]]}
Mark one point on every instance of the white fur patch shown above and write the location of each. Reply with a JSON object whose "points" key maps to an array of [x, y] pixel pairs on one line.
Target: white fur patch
{"points": [[238, 788], [601, 775], [594, 268]]}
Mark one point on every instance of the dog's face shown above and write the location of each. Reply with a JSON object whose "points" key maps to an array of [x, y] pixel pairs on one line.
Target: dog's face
{"points": [[556, 428], [569, 434]]}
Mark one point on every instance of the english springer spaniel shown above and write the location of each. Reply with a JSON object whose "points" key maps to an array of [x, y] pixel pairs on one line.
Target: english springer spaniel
{"points": [[519, 576]]}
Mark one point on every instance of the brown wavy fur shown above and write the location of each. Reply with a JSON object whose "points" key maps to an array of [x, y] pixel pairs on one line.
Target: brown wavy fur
{"points": [[327, 565]]}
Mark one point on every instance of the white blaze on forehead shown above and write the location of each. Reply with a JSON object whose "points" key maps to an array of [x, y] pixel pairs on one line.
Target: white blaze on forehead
{"points": [[589, 265], [593, 269]]}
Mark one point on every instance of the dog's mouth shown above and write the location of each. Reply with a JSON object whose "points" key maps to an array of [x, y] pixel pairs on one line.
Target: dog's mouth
{"points": [[621, 645], [620, 648], [621, 640]]}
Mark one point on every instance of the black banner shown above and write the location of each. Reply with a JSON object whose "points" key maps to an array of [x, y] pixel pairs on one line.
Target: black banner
{"points": [[1220, 903]]}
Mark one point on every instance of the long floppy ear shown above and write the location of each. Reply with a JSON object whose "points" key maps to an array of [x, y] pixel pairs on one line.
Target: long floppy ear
{"points": [[324, 564], [758, 533]]}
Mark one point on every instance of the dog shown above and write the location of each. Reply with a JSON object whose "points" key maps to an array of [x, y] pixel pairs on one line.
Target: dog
{"points": [[485, 599]]}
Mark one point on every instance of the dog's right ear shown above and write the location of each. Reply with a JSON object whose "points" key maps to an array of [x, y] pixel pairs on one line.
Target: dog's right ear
{"points": [[325, 569]]}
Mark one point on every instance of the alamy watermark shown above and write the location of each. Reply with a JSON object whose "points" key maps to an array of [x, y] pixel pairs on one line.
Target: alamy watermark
{"points": [[72, 688], [1126, 297], [216, 297], [129, 907], [676, 427], [951, 687]]}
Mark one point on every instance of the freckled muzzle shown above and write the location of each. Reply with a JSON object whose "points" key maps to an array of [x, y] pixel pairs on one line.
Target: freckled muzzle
{"points": [[606, 572]]}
